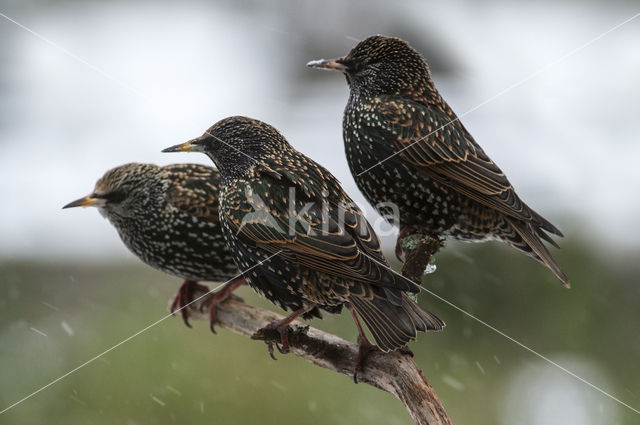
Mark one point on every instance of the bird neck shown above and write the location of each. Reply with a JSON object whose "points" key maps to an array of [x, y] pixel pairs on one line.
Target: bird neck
{"points": [[421, 90], [236, 171], [232, 163]]}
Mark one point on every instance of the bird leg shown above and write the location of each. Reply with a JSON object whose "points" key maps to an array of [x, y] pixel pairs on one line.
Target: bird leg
{"points": [[183, 298], [218, 297], [281, 326], [364, 346]]}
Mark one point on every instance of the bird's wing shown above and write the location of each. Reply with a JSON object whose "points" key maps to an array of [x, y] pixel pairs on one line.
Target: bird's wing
{"points": [[193, 189], [439, 146], [318, 232], [319, 185]]}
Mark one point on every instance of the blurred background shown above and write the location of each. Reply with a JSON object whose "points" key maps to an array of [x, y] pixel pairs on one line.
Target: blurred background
{"points": [[85, 86]]}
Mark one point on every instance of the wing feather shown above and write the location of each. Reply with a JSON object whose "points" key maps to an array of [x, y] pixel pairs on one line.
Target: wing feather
{"points": [[331, 236], [194, 190], [441, 148]]}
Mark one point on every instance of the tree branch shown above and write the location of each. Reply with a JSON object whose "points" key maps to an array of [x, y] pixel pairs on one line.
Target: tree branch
{"points": [[418, 247], [393, 372]]}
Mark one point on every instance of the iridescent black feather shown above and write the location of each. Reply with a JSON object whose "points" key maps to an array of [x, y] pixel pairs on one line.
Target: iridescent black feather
{"points": [[281, 208], [168, 217], [405, 146]]}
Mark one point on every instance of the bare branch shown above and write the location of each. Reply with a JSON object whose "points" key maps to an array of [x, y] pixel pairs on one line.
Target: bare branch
{"points": [[393, 372]]}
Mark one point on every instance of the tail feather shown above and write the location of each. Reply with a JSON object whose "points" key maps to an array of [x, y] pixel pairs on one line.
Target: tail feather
{"points": [[393, 325], [543, 235], [540, 221], [386, 335], [427, 321], [535, 247]]}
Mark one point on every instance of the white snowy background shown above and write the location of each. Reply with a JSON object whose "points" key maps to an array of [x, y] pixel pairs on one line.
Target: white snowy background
{"points": [[114, 82], [143, 77]]}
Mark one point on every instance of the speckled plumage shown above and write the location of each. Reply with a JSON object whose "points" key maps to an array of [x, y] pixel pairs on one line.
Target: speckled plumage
{"points": [[168, 217], [406, 147], [307, 267]]}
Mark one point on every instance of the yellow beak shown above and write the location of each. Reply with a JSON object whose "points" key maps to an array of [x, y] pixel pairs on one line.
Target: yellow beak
{"points": [[193, 145], [86, 201]]}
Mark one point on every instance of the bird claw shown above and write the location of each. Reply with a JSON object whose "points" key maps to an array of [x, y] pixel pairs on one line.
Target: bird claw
{"points": [[176, 305], [213, 300], [185, 319], [183, 298], [282, 327], [270, 348], [185, 295], [283, 349]]}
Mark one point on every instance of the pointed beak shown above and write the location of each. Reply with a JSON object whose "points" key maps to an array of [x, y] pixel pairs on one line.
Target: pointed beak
{"points": [[329, 64], [86, 201], [193, 145]]}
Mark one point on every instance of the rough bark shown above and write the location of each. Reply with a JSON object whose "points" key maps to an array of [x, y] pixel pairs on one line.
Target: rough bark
{"points": [[418, 248], [393, 372]]}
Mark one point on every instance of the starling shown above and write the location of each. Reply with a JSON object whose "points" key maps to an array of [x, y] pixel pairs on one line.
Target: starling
{"points": [[407, 148], [168, 217], [302, 241]]}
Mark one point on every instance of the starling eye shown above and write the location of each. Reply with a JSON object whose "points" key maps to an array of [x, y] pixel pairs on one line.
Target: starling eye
{"points": [[114, 197], [354, 65]]}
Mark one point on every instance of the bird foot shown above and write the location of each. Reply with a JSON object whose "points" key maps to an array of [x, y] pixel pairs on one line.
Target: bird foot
{"points": [[213, 300], [364, 349], [281, 326], [184, 297]]}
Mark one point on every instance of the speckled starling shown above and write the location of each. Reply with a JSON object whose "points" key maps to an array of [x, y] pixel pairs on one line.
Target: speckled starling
{"points": [[318, 251], [168, 217], [406, 147]]}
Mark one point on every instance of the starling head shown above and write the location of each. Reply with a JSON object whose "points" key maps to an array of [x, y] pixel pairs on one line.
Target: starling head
{"points": [[235, 144], [120, 192], [380, 65]]}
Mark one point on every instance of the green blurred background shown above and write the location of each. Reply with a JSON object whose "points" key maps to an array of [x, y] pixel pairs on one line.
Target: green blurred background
{"points": [[85, 86], [171, 374]]}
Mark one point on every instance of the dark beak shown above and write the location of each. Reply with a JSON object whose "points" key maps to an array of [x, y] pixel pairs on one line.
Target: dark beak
{"points": [[86, 201], [329, 64], [193, 145]]}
